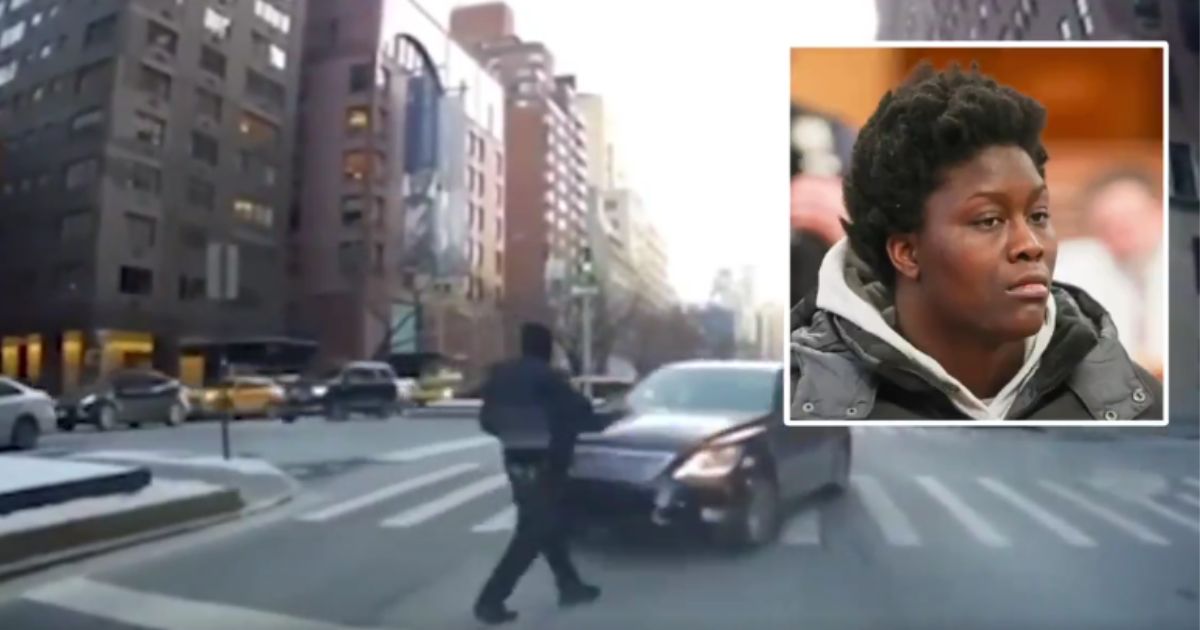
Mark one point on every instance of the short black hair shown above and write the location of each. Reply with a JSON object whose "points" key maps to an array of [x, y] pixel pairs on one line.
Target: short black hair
{"points": [[933, 121], [537, 342]]}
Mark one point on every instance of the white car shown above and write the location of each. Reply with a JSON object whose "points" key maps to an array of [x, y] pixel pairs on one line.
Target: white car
{"points": [[25, 414]]}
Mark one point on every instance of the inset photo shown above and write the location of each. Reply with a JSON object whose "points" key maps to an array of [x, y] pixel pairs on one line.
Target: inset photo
{"points": [[978, 235]]}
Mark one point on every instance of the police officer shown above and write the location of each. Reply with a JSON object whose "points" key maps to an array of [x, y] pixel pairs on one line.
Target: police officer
{"points": [[536, 415]]}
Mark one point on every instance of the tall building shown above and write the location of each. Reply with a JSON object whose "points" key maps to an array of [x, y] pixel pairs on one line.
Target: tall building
{"points": [[546, 176], [398, 234], [768, 334], [139, 133]]}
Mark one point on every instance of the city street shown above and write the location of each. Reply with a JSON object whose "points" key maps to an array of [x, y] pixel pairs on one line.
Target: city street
{"points": [[399, 522]]}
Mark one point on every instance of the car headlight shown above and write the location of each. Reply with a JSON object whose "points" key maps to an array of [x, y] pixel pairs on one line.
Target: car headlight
{"points": [[88, 400], [320, 390], [710, 463]]}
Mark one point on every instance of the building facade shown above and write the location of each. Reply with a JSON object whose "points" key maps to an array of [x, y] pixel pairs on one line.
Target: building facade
{"points": [[139, 134], [398, 239], [546, 176]]}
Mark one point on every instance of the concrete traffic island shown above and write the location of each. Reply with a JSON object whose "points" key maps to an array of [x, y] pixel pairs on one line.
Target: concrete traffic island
{"points": [[101, 507]]}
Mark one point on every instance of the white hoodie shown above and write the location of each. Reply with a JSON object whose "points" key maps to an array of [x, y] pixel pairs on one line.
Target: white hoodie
{"points": [[835, 296]]}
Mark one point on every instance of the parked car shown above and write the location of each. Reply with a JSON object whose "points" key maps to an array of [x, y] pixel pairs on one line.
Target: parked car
{"points": [[702, 445], [242, 397], [130, 397], [365, 387], [25, 414]]}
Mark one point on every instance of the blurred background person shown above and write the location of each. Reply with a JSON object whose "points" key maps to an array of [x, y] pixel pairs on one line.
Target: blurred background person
{"points": [[821, 147], [1119, 259]]}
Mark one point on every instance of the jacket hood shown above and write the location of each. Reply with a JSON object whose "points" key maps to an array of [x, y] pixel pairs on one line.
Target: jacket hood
{"points": [[845, 345]]}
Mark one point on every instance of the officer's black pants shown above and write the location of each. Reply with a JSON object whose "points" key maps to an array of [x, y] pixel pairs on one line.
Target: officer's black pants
{"points": [[540, 529]]}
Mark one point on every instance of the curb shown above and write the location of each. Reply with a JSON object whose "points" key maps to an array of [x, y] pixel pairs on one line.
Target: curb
{"points": [[114, 531]]}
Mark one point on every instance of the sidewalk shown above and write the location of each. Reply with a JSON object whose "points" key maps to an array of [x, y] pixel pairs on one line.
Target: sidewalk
{"points": [[186, 493]]}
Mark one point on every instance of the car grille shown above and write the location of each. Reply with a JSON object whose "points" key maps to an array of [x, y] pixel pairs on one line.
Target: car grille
{"points": [[617, 464]]}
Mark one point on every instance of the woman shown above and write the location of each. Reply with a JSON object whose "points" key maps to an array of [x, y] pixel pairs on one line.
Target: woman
{"points": [[939, 303]]}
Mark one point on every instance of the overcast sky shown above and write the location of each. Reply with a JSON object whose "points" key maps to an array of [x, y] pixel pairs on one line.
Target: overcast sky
{"points": [[698, 92]]}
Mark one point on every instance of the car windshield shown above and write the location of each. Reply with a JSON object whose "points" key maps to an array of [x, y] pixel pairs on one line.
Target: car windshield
{"points": [[706, 389]]}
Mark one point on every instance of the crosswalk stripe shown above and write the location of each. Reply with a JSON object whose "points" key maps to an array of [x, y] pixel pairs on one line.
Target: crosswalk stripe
{"points": [[504, 520], [803, 529], [1133, 528], [446, 502], [1168, 514], [1052, 521], [387, 492], [1192, 481], [970, 519], [895, 525], [1188, 499], [433, 450], [155, 611]]}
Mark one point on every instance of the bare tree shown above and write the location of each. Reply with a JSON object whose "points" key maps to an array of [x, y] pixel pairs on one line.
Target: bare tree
{"points": [[611, 319]]}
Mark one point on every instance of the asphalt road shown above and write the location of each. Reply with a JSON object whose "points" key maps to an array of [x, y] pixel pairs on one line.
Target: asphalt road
{"points": [[401, 520]]}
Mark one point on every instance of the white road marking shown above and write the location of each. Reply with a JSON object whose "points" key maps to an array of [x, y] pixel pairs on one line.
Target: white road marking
{"points": [[803, 529], [1188, 499], [503, 521], [387, 492], [446, 502], [1053, 522], [162, 612], [1166, 513], [433, 450], [972, 520], [1130, 526], [895, 525]]}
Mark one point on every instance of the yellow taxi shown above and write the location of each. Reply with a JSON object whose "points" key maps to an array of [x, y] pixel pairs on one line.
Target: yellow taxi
{"points": [[242, 396], [438, 386]]}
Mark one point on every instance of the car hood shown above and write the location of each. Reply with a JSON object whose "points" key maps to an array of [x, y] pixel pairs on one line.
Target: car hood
{"points": [[660, 430]]}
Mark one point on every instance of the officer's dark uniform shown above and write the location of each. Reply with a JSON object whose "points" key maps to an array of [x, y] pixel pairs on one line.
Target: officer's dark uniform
{"points": [[537, 416]]}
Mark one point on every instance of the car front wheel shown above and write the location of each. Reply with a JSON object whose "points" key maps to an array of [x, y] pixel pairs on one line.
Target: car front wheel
{"points": [[106, 418], [175, 415], [25, 434], [759, 519]]}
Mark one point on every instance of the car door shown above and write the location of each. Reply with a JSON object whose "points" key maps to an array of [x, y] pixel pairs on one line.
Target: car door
{"points": [[10, 407], [134, 395]]}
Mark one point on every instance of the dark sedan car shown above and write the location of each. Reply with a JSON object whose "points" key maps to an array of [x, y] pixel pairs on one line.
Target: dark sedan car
{"points": [[703, 445], [126, 397]]}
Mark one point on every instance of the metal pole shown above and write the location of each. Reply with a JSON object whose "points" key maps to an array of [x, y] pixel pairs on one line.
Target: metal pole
{"points": [[587, 344]]}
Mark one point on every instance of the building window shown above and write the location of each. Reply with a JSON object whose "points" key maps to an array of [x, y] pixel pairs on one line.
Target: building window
{"points": [[201, 194], [144, 178], [93, 76], [162, 37], [273, 16], [265, 90], [8, 72], [151, 130], [140, 231], [87, 120], [258, 214], [101, 31], [357, 119], [353, 208], [82, 173], [75, 227], [350, 257], [356, 165], [208, 104], [216, 23], [154, 82], [12, 35], [205, 148], [256, 130], [136, 281], [360, 77], [212, 61]]}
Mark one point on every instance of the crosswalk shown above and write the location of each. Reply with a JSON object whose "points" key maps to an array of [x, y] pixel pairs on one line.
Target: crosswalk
{"points": [[904, 511]]}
